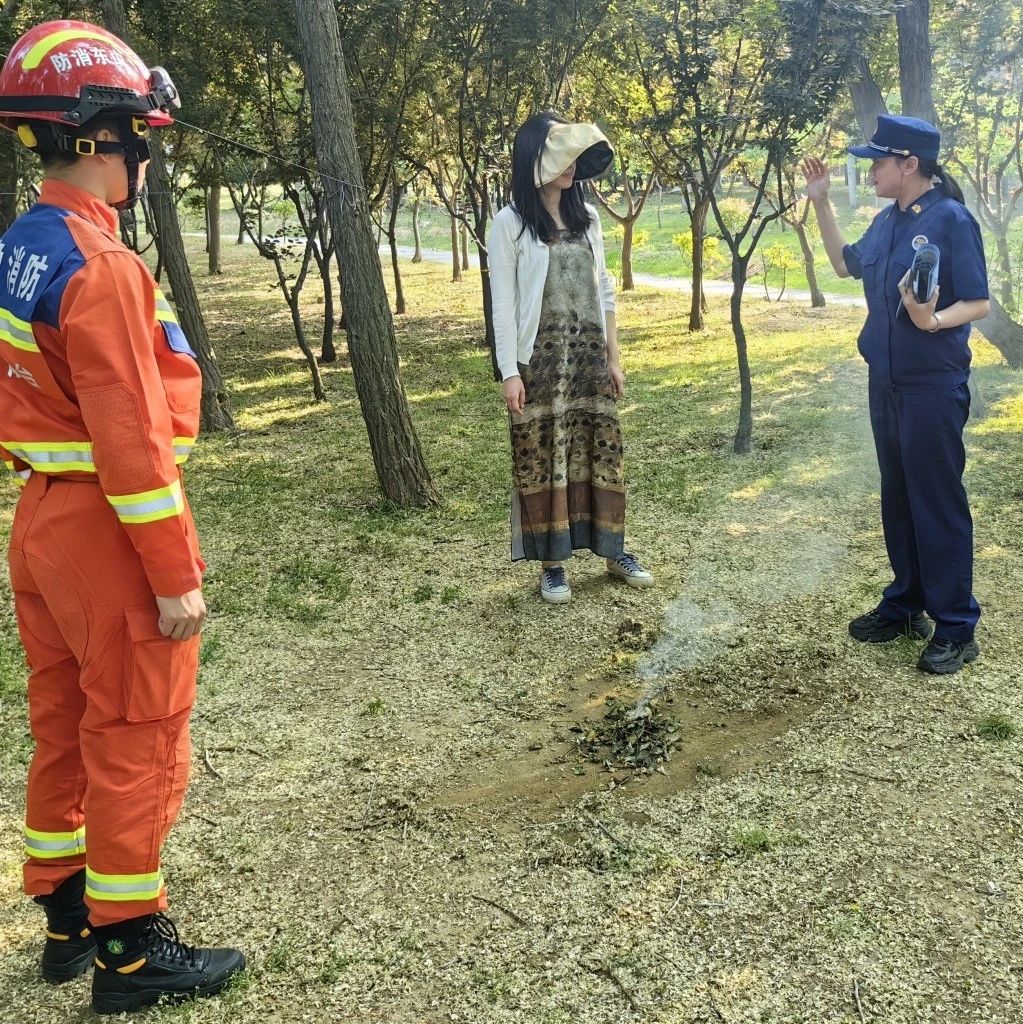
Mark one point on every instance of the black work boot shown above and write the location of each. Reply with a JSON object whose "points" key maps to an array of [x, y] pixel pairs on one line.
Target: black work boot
{"points": [[70, 947], [141, 962], [873, 628], [943, 657]]}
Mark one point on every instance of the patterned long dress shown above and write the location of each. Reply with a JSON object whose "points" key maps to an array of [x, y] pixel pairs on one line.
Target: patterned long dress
{"points": [[567, 457]]}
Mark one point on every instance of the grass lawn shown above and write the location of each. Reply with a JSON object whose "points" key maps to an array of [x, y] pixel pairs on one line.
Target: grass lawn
{"points": [[389, 811]]}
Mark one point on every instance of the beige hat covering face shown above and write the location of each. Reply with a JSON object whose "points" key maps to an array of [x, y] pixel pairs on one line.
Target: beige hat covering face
{"points": [[586, 144]]}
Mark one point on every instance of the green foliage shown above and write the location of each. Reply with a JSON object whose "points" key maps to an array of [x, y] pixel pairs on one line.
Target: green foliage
{"points": [[996, 727], [751, 840], [734, 211], [780, 257]]}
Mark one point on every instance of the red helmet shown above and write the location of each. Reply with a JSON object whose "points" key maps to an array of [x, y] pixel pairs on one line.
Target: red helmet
{"points": [[68, 72]]}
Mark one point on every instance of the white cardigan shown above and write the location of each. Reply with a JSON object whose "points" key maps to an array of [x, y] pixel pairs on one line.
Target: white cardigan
{"points": [[518, 271]]}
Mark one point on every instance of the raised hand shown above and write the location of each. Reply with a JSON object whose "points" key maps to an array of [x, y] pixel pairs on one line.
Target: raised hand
{"points": [[818, 178]]}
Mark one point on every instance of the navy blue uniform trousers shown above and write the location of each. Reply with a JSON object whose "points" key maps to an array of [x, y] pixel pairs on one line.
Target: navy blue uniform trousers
{"points": [[928, 528]]}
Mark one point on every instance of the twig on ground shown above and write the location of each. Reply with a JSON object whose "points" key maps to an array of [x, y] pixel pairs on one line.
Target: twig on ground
{"points": [[240, 750], [868, 775], [609, 973], [270, 940], [550, 824], [678, 899], [209, 764], [497, 906], [449, 540], [856, 997], [610, 835], [365, 826], [209, 821], [369, 803]]}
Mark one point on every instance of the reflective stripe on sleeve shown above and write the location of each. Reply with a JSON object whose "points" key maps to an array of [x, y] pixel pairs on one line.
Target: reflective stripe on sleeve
{"points": [[17, 332], [183, 448], [164, 310], [48, 845], [122, 887], [149, 506], [53, 456], [20, 475]]}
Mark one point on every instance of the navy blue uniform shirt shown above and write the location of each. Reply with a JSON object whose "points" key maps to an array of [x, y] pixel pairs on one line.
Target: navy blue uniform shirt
{"points": [[899, 354]]}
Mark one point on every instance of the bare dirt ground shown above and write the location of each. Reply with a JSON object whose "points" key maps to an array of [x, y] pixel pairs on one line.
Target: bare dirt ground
{"points": [[388, 809]]}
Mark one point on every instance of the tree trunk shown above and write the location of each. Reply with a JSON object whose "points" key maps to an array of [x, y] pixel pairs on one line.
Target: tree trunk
{"points": [[465, 246], [417, 256], [697, 226], [328, 353], [868, 103], [215, 409], [324, 255], [488, 311], [817, 300], [744, 432], [10, 165], [1004, 333], [371, 342], [147, 214], [293, 298], [213, 228], [627, 283], [851, 181], [456, 263], [392, 241], [1004, 267], [9, 177], [913, 18]]}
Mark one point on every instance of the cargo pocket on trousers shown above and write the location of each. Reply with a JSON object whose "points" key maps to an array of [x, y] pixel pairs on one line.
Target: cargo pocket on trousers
{"points": [[160, 674]]}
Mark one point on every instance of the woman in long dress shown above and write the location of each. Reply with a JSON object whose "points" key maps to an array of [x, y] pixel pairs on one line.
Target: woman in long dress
{"points": [[557, 353]]}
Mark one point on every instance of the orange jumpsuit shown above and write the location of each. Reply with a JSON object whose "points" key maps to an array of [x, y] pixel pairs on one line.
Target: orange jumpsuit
{"points": [[99, 408]]}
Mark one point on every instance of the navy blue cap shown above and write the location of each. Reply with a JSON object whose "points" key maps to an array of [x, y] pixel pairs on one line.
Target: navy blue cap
{"points": [[901, 136]]}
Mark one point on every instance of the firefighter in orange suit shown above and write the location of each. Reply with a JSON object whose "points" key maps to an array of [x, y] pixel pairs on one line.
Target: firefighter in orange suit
{"points": [[99, 408]]}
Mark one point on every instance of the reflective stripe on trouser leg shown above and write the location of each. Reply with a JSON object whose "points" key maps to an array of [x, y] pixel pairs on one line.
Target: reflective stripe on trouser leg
{"points": [[123, 888], [50, 845]]}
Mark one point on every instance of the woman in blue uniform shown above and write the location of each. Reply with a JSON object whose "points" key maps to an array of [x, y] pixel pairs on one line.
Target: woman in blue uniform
{"points": [[919, 359]]}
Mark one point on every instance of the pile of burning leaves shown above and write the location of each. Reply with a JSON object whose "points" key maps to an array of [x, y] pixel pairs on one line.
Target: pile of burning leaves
{"points": [[638, 734]]}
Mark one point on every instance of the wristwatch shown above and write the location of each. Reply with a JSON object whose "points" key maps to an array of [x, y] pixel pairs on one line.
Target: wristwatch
{"points": [[937, 324]]}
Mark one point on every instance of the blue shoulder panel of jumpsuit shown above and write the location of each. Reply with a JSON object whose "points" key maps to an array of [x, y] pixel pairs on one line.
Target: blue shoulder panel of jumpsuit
{"points": [[38, 257], [900, 355]]}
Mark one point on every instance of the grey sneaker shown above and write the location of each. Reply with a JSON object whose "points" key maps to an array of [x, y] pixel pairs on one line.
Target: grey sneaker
{"points": [[554, 585], [626, 567]]}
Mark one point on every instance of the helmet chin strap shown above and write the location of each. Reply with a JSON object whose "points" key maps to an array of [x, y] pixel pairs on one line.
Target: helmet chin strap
{"points": [[136, 153]]}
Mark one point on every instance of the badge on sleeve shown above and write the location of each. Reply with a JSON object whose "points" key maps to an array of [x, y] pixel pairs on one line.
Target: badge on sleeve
{"points": [[918, 241]]}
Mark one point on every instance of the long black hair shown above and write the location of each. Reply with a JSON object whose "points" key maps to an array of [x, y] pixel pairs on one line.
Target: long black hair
{"points": [[932, 169], [526, 152]]}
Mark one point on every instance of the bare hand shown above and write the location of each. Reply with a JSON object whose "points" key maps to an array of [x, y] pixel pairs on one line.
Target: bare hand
{"points": [[921, 313], [617, 378], [514, 392], [818, 178], [181, 618]]}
